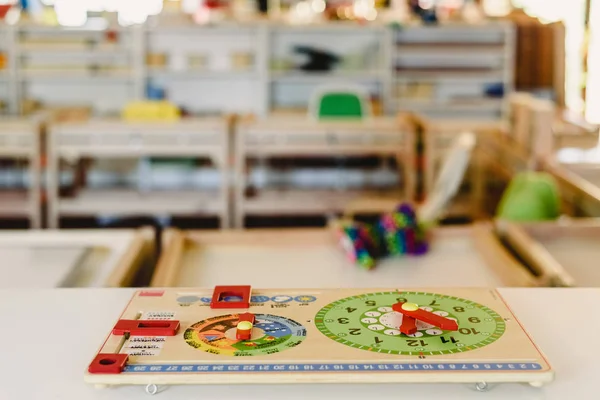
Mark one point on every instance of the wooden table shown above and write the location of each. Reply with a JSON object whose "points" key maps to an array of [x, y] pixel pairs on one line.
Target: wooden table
{"points": [[311, 258], [568, 247], [73, 258]]}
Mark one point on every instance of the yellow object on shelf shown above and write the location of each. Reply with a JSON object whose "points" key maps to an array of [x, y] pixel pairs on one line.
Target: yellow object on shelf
{"points": [[151, 111]]}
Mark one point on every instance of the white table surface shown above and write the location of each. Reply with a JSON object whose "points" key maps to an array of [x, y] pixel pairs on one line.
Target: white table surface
{"points": [[37, 267], [49, 336]]}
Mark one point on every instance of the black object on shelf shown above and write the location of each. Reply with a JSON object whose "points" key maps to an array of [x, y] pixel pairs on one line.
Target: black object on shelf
{"points": [[319, 60], [263, 6]]}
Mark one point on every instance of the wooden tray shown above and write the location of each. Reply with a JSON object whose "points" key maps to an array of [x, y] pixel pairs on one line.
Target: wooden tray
{"points": [[569, 248], [73, 258], [579, 185], [463, 256]]}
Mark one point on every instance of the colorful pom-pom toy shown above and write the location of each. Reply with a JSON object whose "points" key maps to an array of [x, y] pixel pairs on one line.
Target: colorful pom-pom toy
{"points": [[395, 233]]}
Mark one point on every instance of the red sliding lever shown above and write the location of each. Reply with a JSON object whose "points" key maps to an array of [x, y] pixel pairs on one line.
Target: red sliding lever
{"points": [[413, 310]]}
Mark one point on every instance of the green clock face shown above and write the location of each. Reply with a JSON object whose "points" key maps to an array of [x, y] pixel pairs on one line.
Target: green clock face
{"points": [[368, 322]]}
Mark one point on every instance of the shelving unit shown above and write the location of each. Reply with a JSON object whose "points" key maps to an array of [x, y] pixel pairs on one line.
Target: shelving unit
{"points": [[20, 191], [117, 144], [96, 66], [453, 71], [263, 190], [221, 72], [361, 53], [252, 67]]}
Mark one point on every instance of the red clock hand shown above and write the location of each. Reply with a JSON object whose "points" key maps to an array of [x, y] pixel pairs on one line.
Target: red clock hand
{"points": [[412, 310], [409, 325]]}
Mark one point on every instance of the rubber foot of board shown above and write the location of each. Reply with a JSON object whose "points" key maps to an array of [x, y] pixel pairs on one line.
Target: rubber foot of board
{"points": [[108, 364]]}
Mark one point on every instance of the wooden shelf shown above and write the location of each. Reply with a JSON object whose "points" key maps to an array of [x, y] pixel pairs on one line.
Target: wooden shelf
{"points": [[114, 138], [133, 202], [314, 202]]}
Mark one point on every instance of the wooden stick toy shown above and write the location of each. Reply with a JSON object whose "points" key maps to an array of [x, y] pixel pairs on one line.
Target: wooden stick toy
{"points": [[395, 233]]}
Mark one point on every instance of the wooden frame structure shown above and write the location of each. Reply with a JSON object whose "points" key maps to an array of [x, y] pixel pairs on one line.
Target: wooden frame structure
{"points": [[529, 140], [20, 139], [305, 138], [76, 258], [568, 247], [275, 258], [122, 140]]}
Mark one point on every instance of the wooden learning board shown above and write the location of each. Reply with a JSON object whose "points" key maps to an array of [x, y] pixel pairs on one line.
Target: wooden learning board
{"points": [[568, 247], [189, 336], [473, 257]]}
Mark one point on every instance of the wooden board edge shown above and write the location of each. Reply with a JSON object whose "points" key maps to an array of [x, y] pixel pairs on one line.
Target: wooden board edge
{"points": [[509, 269], [138, 252], [167, 267], [551, 272]]}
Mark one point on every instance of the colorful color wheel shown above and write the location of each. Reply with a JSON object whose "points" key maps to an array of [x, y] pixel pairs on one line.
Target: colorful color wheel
{"points": [[271, 334]]}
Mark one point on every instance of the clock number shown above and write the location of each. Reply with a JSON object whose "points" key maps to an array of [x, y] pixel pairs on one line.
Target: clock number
{"points": [[434, 303], [474, 320], [350, 309], [377, 340], [415, 343], [370, 303], [355, 331], [343, 320], [452, 340], [467, 331], [401, 300], [459, 309]]}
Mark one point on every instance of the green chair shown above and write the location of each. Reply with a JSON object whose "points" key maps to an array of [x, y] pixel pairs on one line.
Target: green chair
{"points": [[340, 102], [530, 196]]}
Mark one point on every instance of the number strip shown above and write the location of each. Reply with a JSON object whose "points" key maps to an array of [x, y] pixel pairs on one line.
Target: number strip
{"points": [[370, 367]]}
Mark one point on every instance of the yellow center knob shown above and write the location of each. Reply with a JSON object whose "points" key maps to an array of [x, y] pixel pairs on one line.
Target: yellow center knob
{"points": [[410, 307], [245, 325]]}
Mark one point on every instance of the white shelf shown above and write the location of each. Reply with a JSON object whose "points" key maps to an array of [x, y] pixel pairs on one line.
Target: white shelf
{"points": [[300, 76], [133, 202], [202, 74], [449, 49], [448, 76], [74, 74]]}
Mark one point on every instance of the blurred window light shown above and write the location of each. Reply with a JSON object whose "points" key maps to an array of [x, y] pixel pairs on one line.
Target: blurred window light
{"points": [[190, 6], [496, 8], [571, 13], [593, 85], [70, 13]]}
